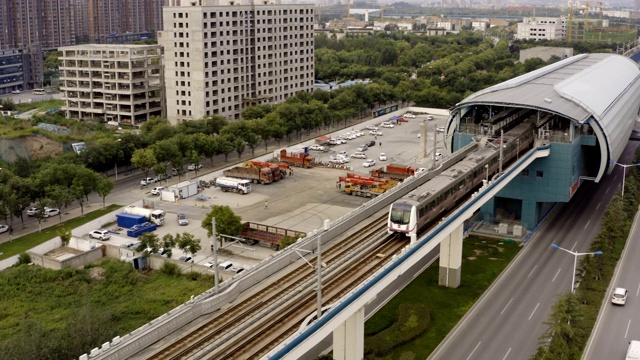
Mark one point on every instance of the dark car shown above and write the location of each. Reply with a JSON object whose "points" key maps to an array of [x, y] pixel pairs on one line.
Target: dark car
{"points": [[370, 143]]}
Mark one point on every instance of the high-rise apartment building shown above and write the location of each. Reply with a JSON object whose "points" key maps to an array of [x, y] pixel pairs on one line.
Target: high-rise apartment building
{"points": [[111, 17], [121, 83], [221, 56]]}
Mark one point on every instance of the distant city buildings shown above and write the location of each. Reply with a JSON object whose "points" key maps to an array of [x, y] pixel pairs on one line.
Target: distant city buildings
{"points": [[120, 83], [538, 28], [221, 56]]}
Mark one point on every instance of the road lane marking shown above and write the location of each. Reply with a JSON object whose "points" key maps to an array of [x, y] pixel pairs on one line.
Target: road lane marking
{"points": [[505, 308], [574, 246], [597, 207], [474, 350], [588, 222], [534, 311], [628, 326], [532, 270], [507, 354], [554, 278], [638, 291], [606, 192]]}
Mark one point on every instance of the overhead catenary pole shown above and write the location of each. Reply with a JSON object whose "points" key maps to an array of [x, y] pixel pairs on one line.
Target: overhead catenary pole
{"points": [[215, 254], [319, 282]]}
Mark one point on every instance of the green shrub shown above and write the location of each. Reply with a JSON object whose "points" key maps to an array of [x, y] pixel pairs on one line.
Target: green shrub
{"points": [[24, 259], [170, 269], [412, 321]]}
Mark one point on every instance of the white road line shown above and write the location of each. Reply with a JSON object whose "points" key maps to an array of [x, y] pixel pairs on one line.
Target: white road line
{"points": [[628, 326], [606, 192], [574, 246], [507, 354], [474, 350], [534, 311], [588, 222], [638, 291], [506, 306], [554, 278], [532, 270], [597, 207], [615, 177]]}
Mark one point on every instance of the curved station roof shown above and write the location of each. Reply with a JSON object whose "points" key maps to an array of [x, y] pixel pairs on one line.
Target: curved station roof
{"points": [[602, 90]]}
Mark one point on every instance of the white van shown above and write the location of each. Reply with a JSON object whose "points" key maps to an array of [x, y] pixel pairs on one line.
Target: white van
{"points": [[38, 91], [359, 155], [227, 265], [633, 352]]}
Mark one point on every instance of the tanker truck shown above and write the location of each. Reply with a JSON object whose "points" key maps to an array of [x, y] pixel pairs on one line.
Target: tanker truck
{"points": [[154, 216], [236, 185]]}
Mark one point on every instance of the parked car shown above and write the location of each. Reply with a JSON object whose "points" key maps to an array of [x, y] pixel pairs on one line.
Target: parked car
{"points": [[176, 172], [336, 160], [187, 259], [370, 143], [383, 157], [100, 234], [409, 116], [372, 127], [48, 212], [343, 153], [192, 167], [359, 155], [375, 133], [337, 141], [4, 228], [401, 119], [157, 190], [209, 264], [619, 296], [16, 92], [438, 156], [387, 125], [148, 181], [183, 219], [369, 163], [162, 177], [440, 129], [236, 270], [227, 265], [33, 211], [429, 118], [316, 147], [362, 148]]}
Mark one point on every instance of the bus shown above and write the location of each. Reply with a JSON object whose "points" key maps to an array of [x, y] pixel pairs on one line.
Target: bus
{"points": [[38, 91]]}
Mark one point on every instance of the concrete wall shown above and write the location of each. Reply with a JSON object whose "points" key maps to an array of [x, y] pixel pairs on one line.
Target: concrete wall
{"points": [[430, 111]]}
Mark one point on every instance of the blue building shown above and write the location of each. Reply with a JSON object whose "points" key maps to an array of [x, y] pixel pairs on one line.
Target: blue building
{"points": [[585, 105]]}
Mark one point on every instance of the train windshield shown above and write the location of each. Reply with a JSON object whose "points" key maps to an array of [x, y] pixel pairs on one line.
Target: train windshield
{"points": [[401, 214]]}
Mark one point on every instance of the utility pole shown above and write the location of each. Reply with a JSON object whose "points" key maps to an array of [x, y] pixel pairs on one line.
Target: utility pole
{"points": [[215, 254]]}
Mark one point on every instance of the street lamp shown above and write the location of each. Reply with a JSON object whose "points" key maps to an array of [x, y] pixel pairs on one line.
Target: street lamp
{"points": [[624, 172], [575, 260]]}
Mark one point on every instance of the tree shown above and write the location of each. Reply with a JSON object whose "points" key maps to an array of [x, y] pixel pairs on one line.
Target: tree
{"points": [[562, 337], [103, 187], [188, 243], [77, 191], [227, 222], [149, 243], [144, 159], [61, 197], [239, 146], [194, 158]]}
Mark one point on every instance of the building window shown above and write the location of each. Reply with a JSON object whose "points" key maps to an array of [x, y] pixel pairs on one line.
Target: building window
{"points": [[539, 174], [525, 172]]}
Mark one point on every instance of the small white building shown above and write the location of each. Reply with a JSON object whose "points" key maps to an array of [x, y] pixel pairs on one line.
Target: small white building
{"points": [[538, 28]]}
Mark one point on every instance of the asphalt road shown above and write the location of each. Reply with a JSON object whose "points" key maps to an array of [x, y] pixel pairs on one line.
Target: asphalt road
{"points": [[507, 322], [618, 325]]}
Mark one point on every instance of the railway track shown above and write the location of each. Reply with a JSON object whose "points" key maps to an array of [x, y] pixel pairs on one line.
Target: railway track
{"points": [[239, 320]]}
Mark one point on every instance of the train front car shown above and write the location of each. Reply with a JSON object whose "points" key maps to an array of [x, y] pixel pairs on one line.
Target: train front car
{"points": [[402, 217]]}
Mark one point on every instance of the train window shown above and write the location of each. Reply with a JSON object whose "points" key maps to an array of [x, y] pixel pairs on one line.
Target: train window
{"points": [[400, 216], [525, 172], [539, 173]]}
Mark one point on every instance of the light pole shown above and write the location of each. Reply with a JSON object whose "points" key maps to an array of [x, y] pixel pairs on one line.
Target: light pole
{"points": [[624, 171], [575, 261]]}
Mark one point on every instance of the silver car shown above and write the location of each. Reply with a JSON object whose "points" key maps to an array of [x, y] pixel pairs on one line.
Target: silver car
{"points": [[183, 220]]}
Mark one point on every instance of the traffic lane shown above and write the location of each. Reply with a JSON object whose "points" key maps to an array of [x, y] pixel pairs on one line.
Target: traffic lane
{"points": [[533, 296], [617, 325]]}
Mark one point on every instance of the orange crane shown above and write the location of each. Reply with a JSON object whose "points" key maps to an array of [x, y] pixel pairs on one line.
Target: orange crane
{"points": [[364, 187]]}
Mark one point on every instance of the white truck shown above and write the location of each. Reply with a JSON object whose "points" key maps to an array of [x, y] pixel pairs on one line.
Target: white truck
{"points": [[241, 186], [633, 351], [154, 216]]}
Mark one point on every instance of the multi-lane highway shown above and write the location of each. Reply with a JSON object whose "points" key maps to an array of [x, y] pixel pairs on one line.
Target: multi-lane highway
{"points": [[507, 322], [617, 325]]}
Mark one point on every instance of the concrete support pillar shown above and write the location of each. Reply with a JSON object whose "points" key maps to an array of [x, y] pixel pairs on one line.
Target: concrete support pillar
{"points": [[451, 259], [348, 338]]}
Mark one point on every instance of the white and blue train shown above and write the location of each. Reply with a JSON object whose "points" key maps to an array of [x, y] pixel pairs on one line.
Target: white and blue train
{"points": [[434, 198]]}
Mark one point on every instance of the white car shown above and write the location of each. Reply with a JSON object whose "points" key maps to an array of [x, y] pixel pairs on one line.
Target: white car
{"points": [[438, 156], [359, 155], [409, 116], [387, 125], [157, 190], [16, 92], [192, 167], [209, 264], [372, 127], [362, 148], [147, 181], [383, 157], [316, 147], [337, 141], [343, 153], [4, 228], [375, 133], [344, 159], [358, 133], [440, 129], [619, 296], [33, 211], [48, 212], [336, 160], [100, 234], [369, 163]]}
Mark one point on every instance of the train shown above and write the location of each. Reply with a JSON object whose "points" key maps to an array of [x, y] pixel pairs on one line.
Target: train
{"points": [[410, 214]]}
